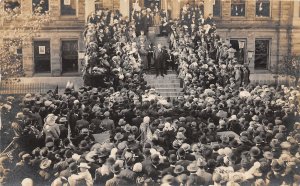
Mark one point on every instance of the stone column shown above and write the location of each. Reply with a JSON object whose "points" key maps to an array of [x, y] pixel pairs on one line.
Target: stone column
{"points": [[208, 7], [26, 7], [55, 46], [28, 61], [89, 8], [125, 8], [251, 47], [175, 5]]}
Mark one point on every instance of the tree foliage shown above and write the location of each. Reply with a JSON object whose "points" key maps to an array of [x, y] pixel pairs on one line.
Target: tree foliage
{"points": [[290, 66], [17, 30]]}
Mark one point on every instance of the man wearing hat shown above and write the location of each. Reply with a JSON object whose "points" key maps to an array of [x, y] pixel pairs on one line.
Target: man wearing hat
{"points": [[107, 124], [51, 129], [117, 179], [82, 123], [152, 167], [193, 178], [84, 175]]}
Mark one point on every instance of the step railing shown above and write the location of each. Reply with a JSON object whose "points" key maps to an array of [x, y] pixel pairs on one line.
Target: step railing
{"points": [[12, 87]]}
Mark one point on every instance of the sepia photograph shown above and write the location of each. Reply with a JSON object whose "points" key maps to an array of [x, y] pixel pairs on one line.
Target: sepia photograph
{"points": [[149, 92]]}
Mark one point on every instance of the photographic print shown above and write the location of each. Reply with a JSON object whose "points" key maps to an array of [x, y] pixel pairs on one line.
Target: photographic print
{"points": [[149, 92], [42, 50]]}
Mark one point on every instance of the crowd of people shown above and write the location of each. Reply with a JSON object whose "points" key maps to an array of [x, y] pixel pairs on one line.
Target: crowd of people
{"points": [[117, 130]]}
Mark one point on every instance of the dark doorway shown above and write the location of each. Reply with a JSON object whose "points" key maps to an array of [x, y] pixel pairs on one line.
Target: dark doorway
{"points": [[42, 62], [239, 45], [152, 3], [261, 54], [69, 56]]}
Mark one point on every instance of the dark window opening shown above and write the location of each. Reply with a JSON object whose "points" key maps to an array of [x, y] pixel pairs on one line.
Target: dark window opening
{"points": [[152, 4], [238, 8], [12, 6], [262, 8], [98, 5], [217, 8], [68, 7], [261, 54], [42, 58], [70, 56], [40, 6]]}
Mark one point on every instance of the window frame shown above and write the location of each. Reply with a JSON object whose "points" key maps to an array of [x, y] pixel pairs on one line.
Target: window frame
{"points": [[61, 54], [245, 47], [20, 7], [32, 10], [76, 9], [270, 10], [220, 9], [34, 55], [268, 55], [245, 7]]}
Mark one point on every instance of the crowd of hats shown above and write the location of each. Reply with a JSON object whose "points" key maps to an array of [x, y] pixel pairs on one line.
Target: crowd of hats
{"points": [[111, 50], [217, 133]]}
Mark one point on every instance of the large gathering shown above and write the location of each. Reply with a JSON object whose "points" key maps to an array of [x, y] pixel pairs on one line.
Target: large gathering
{"points": [[117, 130]]}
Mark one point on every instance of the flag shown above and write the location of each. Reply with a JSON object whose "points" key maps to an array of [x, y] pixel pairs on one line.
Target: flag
{"points": [[0, 121], [56, 90]]}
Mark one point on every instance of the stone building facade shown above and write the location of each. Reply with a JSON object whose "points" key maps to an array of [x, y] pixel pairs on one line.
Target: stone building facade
{"points": [[262, 31], [55, 51]]}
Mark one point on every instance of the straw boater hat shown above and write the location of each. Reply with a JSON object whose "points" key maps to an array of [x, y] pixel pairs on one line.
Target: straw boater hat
{"points": [[192, 167], [50, 119], [45, 163]]}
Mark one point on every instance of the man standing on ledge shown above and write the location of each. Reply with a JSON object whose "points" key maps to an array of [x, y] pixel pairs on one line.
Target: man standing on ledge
{"points": [[159, 60]]}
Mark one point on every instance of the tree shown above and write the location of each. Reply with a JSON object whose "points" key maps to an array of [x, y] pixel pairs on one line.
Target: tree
{"points": [[290, 66], [17, 31]]}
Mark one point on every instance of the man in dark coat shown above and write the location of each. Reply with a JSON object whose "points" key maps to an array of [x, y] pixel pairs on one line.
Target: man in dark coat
{"points": [[159, 60]]}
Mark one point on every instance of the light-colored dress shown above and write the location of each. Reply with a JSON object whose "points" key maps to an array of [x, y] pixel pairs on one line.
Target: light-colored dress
{"points": [[156, 19]]}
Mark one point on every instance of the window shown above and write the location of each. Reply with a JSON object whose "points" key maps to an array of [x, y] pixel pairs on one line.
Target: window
{"points": [[152, 3], [40, 6], [262, 54], [42, 56], [69, 56], [262, 8], [239, 45], [217, 8], [238, 7], [12, 6], [98, 5], [68, 7], [14, 46]]}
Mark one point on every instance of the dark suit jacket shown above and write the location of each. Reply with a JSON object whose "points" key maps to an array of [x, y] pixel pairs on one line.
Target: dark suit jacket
{"points": [[159, 58], [194, 179]]}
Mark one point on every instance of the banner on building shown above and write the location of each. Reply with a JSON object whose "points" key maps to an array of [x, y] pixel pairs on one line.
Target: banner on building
{"points": [[42, 50], [67, 2], [241, 44]]}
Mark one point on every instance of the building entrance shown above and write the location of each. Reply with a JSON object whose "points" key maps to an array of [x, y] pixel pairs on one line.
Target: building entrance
{"points": [[70, 56], [152, 3]]}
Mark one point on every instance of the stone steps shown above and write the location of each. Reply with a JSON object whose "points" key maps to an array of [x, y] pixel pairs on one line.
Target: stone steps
{"points": [[168, 89], [172, 81], [171, 94], [167, 86]]}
